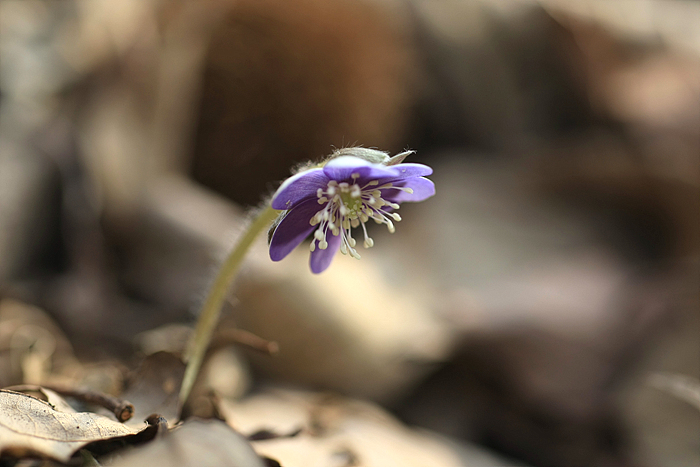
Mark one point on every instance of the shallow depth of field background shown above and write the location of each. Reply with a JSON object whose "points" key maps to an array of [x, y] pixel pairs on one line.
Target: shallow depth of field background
{"points": [[539, 308]]}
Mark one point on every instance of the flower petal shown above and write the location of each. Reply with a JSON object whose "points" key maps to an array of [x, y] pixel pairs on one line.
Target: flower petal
{"points": [[342, 168], [299, 187], [293, 229], [413, 170], [422, 189], [321, 259]]}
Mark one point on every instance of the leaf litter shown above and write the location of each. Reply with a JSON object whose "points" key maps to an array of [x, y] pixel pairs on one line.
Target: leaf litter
{"points": [[30, 426]]}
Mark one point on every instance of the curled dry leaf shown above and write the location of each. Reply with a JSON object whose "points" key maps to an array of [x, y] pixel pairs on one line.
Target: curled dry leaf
{"points": [[31, 426]]}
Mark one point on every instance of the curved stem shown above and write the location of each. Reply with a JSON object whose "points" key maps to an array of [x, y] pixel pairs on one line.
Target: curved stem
{"points": [[209, 316]]}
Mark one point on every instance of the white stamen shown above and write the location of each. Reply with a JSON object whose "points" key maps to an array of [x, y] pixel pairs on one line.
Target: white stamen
{"points": [[348, 206]]}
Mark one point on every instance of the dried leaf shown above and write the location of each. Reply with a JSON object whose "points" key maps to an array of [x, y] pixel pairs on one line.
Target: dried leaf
{"points": [[201, 443], [31, 426], [683, 387], [155, 388], [336, 431]]}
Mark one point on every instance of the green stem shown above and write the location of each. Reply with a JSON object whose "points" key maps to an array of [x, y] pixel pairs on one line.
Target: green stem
{"points": [[209, 316]]}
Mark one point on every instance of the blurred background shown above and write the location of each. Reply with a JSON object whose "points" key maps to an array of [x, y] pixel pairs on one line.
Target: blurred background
{"points": [[542, 309]]}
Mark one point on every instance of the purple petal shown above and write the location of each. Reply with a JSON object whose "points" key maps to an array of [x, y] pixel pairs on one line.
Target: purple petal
{"points": [[342, 168], [413, 170], [422, 189], [293, 229], [321, 259], [299, 187]]}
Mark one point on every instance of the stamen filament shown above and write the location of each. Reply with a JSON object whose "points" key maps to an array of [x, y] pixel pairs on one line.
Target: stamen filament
{"points": [[348, 206]]}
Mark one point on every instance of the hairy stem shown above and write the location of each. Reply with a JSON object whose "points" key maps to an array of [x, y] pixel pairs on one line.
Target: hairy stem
{"points": [[209, 316]]}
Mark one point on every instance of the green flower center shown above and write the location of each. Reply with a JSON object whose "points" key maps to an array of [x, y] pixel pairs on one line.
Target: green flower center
{"points": [[352, 204]]}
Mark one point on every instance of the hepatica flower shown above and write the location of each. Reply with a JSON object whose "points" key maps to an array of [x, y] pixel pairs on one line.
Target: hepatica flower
{"points": [[354, 186]]}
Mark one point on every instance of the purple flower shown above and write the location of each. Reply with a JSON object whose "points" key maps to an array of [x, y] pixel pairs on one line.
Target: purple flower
{"points": [[342, 195]]}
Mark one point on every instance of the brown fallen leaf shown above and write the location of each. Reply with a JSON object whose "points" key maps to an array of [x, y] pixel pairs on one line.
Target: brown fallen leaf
{"points": [[208, 443], [335, 431], [122, 409], [33, 346], [685, 388], [30, 426], [154, 388]]}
